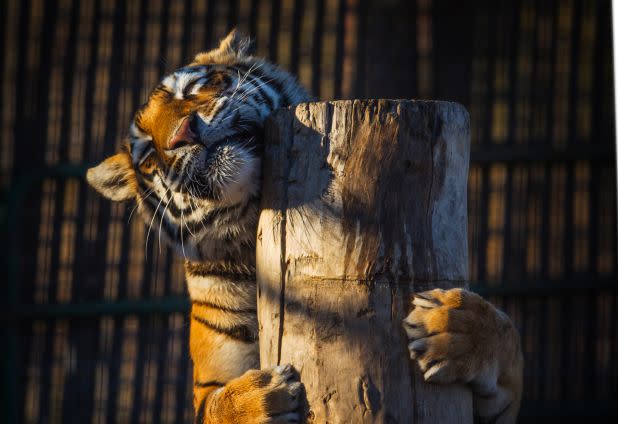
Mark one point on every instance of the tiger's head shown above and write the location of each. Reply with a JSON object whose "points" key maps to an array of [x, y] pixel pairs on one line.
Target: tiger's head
{"points": [[191, 159]]}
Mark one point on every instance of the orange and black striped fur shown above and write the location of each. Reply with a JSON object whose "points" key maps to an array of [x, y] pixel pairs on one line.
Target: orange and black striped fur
{"points": [[191, 161]]}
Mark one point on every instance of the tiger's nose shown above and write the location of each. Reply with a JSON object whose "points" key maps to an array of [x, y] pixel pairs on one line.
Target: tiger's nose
{"points": [[184, 135]]}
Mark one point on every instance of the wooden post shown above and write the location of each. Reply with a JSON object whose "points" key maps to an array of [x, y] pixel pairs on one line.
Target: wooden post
{"points": [[363, 202]]}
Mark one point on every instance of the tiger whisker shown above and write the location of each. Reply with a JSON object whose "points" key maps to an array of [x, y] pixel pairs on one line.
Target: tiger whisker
{"points": [[257, 87], [189, 229], [244, 97], [154, 214], [147, 194], [182, 241], [161, 221], [244, 78], [201, 220]]}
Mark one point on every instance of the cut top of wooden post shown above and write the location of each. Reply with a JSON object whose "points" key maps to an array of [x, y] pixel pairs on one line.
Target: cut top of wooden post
{"points": [[389, 199]]}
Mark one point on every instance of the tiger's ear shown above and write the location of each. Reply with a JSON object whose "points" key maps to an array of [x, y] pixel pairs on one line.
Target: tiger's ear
{"points": [[114, 178], [237, 44], [234, 44]]}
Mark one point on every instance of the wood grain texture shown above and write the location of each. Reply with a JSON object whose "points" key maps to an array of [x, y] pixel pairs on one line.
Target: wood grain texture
{"points": [[363, 202]]}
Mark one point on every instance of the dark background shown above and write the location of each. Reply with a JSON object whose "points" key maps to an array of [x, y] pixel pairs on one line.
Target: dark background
{"points": [[94, 321]]}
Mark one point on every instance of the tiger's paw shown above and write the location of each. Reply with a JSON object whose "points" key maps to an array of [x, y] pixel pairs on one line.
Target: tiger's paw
{"points": [[455, 336], [270, 396]]}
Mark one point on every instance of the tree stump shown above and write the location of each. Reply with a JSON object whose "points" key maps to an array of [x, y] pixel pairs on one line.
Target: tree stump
{"points": [[363, 203]]}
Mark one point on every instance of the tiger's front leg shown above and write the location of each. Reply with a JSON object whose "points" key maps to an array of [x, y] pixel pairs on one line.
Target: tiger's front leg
{"points": [[457, 336], [257, 396], [227, 387]]}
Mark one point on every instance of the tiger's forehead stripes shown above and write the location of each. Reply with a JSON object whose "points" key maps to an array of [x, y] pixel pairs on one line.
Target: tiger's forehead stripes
{"points": [[188, 81]]}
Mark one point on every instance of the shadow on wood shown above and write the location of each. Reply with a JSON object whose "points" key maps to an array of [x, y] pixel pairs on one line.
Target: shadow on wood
{"points": [[363, 202]]}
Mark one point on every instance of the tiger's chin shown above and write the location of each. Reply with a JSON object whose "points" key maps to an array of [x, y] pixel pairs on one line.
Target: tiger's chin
{"points": [[242, 184], [227, 174]]}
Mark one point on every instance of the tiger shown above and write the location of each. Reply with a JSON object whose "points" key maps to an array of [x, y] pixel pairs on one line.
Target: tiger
{"points": [[192, 163]]}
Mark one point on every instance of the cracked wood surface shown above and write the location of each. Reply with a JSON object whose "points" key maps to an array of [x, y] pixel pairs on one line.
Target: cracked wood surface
{"points": [[363, 202]]}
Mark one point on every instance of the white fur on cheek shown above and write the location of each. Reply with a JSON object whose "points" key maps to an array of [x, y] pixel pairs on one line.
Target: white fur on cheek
{"points": [[244, 182]]}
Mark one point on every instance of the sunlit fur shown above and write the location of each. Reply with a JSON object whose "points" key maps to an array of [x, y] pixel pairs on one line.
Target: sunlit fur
{"points": [[192, 164], [457, 336], [201, 197], [204, 195]]}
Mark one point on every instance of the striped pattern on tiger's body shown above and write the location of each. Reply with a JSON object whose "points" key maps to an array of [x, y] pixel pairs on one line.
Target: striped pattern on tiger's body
{"points": [[191, 161]]}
